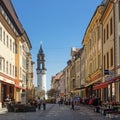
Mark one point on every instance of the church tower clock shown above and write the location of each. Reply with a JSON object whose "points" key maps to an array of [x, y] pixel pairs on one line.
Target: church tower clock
{"points": [[41, 73]]}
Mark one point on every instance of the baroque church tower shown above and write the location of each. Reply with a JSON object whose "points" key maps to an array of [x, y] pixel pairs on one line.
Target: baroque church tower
{"points": [[41, 73]]}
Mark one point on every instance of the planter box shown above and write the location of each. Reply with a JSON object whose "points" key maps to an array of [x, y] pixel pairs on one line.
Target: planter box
{"points": [[30, 108], [19, 108]]}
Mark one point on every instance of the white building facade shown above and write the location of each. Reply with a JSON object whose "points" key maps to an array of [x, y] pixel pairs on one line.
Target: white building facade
{"points": [[12, 39]]}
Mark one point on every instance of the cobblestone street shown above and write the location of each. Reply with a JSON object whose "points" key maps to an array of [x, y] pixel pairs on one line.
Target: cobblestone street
{"points": [[54, 112]]}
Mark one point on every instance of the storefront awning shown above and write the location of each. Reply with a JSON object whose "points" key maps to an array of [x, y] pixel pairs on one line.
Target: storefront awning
{"points": [[79, 88], [113, 79], [101, 85], [105, 84], [20, 87]]}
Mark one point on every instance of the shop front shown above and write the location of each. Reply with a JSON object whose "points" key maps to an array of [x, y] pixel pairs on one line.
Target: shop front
{"points": [[89, 91], [110, 89], [7, 90], [92, 80], [99, 89], [20, 94]]}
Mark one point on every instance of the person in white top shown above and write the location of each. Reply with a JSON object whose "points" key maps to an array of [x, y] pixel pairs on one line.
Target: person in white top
{"points": [[39, 102]]}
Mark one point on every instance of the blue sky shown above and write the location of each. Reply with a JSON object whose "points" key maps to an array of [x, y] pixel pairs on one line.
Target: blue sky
{"points": [[59, 24]]}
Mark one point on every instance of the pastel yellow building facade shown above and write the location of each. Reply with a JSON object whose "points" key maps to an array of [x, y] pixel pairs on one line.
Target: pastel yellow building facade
{"points": [[92, 43]]}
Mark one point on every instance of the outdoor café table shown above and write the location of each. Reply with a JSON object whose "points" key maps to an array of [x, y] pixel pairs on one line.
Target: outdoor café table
{"points": [[116, 108], [104, 110]]}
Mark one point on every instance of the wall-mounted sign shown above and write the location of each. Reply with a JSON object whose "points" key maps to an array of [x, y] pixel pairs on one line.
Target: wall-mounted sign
{"points": [[106, 72]]}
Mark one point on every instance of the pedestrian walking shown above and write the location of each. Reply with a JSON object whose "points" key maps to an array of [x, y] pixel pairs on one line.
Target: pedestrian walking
{"points": [[8, 102], [72, 104], [39, 102], [44, 104], [59, 103]]}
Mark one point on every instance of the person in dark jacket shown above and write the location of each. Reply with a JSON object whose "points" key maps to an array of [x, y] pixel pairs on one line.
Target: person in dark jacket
{"points": [[44, 104], [72, 103]]}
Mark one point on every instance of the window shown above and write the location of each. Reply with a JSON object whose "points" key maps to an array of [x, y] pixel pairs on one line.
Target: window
{"points": [[104, 63], [107, 31], [20, 50], [99, 63], [98, 32], [3, 65], [15, 71], [111, 26], [7, 41], [95, 63], [74, 84], [16, 48], [4, 37], [90, 44], [90, 68], [24, 62], [107, 60], [95, 36], [2, 11], [104, 35], [111, 56], [8, 20], [0, 33], [10, 44], [113, 90], [7, 67], [5, 15], [10, 69], [13, 47]]}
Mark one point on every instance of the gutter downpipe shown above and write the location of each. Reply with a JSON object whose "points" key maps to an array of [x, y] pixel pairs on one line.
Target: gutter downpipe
{"points": [[115, 54], [115, 47], [102, 96]]}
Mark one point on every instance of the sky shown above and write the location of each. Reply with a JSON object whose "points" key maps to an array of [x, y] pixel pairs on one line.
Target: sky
{"points": [[59, 24]]}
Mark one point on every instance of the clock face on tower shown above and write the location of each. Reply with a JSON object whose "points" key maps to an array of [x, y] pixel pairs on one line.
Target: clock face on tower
{"points": [[38, 71], [43, 71]]}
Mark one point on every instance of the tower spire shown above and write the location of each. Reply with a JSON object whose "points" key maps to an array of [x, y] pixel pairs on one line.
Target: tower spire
{"points": [[41, 50], [41, 42]]}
